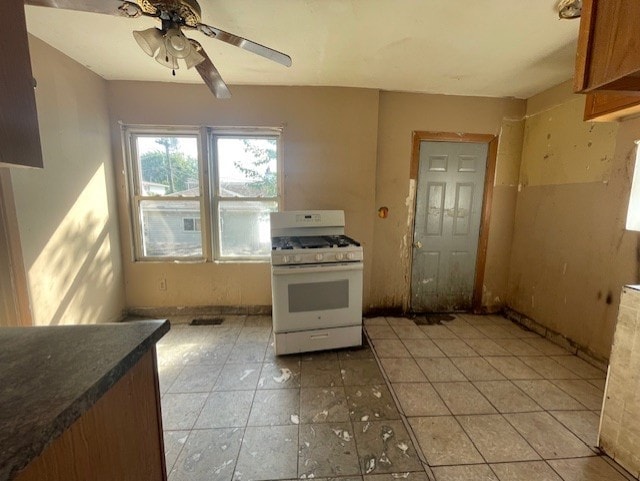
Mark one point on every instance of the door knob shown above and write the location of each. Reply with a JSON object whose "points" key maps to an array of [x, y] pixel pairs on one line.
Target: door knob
{"points": [[417, 244]]}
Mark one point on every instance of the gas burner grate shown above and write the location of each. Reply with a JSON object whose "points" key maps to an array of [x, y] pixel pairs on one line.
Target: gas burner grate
{"points": [[312, 242]]}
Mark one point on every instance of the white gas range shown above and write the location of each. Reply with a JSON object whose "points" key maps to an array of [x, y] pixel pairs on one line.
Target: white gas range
{"points": [[316, 282]]}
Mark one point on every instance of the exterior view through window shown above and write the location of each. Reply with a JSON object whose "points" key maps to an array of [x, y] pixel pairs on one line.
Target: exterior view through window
{"points": [[168, 191], [179, 213], [633, 211], [246, 192]]}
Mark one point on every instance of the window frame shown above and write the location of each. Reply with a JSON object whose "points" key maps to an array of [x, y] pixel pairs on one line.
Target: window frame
{"points": [[214, 183], [136, 197], [208, 197]]}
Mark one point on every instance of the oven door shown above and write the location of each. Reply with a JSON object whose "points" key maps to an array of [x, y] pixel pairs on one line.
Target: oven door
{"points": [[318, 296]]}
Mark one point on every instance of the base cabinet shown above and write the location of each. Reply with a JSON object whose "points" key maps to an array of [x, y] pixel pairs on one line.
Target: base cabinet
{"points": [[118, 438]]}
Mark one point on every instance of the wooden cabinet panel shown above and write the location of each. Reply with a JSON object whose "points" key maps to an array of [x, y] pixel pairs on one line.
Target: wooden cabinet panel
{"points": [[118, 438], [19, 134], [610, 106], [608, 57]]}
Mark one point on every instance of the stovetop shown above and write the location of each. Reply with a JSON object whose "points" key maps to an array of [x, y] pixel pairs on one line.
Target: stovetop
{"points": [[317, 249], [312, 242]]}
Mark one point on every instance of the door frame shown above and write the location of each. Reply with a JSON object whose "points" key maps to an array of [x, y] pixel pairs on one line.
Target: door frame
{"points": [[19, 297], [485, 216]]}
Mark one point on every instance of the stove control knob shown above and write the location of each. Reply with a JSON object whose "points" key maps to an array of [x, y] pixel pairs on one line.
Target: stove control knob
{"points": [[285, 259], [319, 257], [339, 256], [351, 256], [297, 258]]}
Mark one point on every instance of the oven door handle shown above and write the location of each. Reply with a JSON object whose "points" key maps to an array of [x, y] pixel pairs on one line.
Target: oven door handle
{"points": [[291, 270]]}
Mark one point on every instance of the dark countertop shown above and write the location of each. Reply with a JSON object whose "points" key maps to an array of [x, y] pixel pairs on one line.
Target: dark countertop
{"points": [[49, 376]]}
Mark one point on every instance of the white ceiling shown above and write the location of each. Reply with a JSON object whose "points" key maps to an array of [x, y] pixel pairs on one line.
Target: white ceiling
{"points": [[496, 48]]}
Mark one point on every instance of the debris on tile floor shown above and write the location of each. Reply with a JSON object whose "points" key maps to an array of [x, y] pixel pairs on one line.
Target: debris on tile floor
{"points": [[433, 399]]}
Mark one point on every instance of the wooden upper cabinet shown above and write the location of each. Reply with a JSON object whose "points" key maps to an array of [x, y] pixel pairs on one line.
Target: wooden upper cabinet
{"points": [[610, 106], [608, 56], [19, 134], [608, 59]]}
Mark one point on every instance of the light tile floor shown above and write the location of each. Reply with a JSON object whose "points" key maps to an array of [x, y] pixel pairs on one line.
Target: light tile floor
{"points": [[476, 398]]}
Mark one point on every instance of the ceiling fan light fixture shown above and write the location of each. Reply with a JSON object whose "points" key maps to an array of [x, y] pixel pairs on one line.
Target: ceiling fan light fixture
{"points": [[165, 59], [569, 9], [177, 44], [150, 40], [194, 59]]}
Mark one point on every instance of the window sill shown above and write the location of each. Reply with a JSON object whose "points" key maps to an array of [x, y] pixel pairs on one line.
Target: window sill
{"points": [[202, 261], [170, 261], [242, 261]]}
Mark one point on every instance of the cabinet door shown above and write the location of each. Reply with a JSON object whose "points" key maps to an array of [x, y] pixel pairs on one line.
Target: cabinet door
{"points": [[610, 106], [608, 57], [19, 134]]}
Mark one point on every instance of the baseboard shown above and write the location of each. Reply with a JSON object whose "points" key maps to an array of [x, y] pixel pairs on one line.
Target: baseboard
{"points": [[162, 312], [384, 312], [570, 345]]}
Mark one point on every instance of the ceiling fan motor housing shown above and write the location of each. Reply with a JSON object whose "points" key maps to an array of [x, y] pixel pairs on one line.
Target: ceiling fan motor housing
{"points": [[188, 11]]}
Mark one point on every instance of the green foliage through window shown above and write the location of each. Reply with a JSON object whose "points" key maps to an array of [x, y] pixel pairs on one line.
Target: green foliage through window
{"points": [[169, 166], [262, 178]]}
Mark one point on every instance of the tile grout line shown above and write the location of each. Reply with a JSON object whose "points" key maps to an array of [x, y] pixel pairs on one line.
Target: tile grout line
{"points": [[544, 410], [402, 414], [501, 414], [497, 412], [403, 418], [513, 427], [255, 390], [212, 390]]}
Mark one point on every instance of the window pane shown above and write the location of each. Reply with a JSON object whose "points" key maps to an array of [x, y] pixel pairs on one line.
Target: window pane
{"points": [[247, 166], [168, 165], [164, 230], [245, 229]]}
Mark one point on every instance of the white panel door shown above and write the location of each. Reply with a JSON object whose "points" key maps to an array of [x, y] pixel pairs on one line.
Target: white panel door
{"points": [[448, 211]]}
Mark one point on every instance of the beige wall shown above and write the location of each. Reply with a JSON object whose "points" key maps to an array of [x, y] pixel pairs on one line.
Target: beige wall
{"points": [[343, 149], [329, 153], [66, 212], [400, 115], [503, 208], [570, 253]]}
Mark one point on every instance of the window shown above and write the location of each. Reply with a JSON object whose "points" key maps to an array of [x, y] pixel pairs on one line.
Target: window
{"points": [[245, 192], [190, 224], [177, 212], [165, 173], [633, 211]]}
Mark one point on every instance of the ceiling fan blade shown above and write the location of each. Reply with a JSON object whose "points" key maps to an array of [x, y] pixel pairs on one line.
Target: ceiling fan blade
{"points": [[242, 42], [110, 7], [210, 74]]}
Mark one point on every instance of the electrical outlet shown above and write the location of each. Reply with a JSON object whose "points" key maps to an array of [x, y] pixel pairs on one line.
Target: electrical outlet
{"points": [[163, 284]]}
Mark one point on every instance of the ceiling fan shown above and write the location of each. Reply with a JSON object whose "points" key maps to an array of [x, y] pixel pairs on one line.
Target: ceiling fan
{"points": [[168, 44]]}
